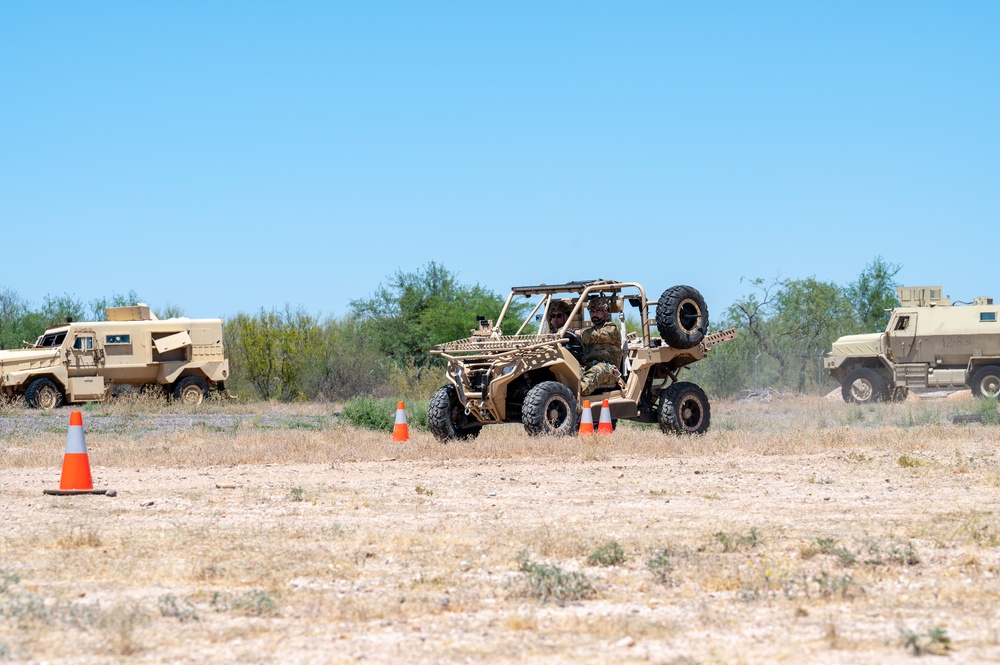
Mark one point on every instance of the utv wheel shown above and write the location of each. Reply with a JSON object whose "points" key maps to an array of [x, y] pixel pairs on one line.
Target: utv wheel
{"points": [[684, 409], [549, 408], [446, 417], [986, 382], [864, 386], [682, 317], [43, 394], [191, 390]]}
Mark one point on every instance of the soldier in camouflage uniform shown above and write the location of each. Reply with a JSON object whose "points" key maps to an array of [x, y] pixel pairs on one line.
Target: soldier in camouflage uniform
{"points": [[602, 341]]}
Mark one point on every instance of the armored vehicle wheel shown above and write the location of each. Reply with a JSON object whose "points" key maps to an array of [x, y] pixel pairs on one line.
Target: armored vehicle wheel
{"points": [[899, 394], [549, 408], [43, 394], [446, 416], [864, 386], [682, 317], [986, 382], [191, 390], [684, 409]]}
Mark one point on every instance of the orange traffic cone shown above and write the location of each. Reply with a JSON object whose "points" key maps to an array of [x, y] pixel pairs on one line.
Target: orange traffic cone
{"points": [[76, 465], [586, 420], [400, 431], [604, 426]]}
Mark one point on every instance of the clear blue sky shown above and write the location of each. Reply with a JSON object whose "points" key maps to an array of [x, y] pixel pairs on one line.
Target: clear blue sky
{"points": [[228, 156]]}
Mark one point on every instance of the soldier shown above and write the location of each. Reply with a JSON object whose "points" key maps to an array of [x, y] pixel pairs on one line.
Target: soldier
{"points": [[602, 343], [558, 311]]}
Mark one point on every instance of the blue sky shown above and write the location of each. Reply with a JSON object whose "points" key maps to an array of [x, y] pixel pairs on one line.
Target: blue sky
{"points": [[224, 157]]}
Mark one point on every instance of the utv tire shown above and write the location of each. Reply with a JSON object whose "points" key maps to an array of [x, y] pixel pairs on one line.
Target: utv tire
{"points": [[684, 409], [191, 390], [864, 386], [550, 408], [986, 382], [682, 317], [446, 417], [43, 394]]}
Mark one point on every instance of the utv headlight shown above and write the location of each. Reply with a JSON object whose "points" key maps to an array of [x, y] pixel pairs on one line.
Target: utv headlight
{"points": [[507, 370]]}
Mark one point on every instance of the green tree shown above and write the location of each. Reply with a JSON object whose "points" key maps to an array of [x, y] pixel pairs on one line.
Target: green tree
{"points": [[17, 322], [60, 309], [99, 305], [412, 312], [252, 343], [872, 294], [809, 315], [170, 312]]}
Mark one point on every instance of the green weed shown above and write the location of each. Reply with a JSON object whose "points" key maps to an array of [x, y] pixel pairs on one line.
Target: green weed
{"points": [[736, 543], [255, 602], [608, 554], [182, 609], [935, 641], [547, 582], [661, 565], [908, 462]]}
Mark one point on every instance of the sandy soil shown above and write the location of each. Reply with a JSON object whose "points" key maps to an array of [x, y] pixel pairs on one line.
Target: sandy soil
{"points": [[880, 545]]}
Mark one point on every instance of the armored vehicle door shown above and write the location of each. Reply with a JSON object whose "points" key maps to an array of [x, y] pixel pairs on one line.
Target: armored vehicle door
{"points": [[902, 337], [84, 353], [84, 357]]}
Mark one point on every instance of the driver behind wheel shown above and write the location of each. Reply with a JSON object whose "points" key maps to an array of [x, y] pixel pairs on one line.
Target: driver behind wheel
{"points": [[602, 341]]}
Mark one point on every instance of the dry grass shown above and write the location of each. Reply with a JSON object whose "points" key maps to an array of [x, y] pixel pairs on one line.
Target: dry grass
{"points": [[804, 530]]}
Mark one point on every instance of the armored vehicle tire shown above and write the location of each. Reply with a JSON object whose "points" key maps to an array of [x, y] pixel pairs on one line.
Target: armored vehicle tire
{"points": [[986, 382], [684, 409], [550, 408], [864, 386], [43, 394], [682, 317], [899, 394], [446, 416], [191, 390]]}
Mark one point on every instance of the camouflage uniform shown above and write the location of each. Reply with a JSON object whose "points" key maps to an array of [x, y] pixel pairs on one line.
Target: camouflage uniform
{"points": [[603, 346]]}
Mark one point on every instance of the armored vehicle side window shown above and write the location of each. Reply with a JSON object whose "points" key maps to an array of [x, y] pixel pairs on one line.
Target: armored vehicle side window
{"points": [[988, 316], [84, 343], [902, 323], [118, 339]]}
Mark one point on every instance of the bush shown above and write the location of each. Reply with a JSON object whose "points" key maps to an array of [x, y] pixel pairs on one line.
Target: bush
{"points": [[380, 414], [369, 413]]}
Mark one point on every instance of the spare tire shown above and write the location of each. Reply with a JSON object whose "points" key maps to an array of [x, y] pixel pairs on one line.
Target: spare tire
{"points": [[682, 317]]}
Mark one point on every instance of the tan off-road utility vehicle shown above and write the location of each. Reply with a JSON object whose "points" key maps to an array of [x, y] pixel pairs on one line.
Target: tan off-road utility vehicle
{"points": [[533, 378], [84, 362], [928, 343]]}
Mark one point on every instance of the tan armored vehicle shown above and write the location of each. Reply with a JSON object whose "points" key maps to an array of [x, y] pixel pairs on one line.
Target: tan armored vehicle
{"points": [[928, 343], [533, 378], [83, 362]]}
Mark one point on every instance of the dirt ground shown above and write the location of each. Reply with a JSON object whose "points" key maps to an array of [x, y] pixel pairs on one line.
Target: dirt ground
{"points": [[800, 532]]}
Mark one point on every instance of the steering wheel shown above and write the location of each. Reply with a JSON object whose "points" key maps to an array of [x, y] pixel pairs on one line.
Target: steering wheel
{"points": [[574, 345]]}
